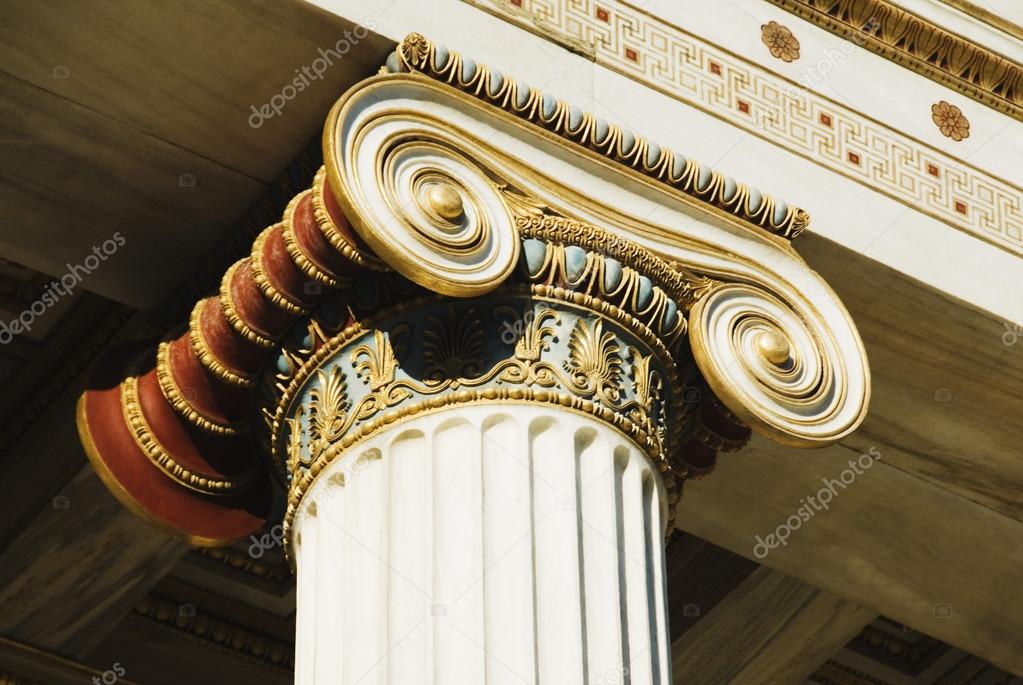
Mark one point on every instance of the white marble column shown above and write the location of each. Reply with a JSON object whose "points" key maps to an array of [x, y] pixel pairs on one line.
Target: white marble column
{"points": [[492, 543]]}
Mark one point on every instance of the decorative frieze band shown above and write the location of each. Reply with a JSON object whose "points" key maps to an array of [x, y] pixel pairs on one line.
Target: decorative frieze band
{"points": [[915, 43], [667, 58]]}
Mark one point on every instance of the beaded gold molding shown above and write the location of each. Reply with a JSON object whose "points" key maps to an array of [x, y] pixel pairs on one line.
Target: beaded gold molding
{"points": [[683, 285], [206, 356], [176, 398], [258, 648], [158, 456], [331, 232], [263, 282], [304, 264], [231, 310]]}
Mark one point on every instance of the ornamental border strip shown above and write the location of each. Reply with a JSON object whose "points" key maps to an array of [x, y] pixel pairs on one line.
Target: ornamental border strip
{"points": [[668, 59], [913, 42]]}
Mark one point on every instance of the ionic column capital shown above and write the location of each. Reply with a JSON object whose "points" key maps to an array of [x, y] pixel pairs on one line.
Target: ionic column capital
{"points": [[640, 287], [454, 192]]}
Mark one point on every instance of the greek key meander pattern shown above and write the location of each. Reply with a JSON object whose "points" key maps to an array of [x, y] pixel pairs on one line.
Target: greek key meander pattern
{"points": [[663, 56]]}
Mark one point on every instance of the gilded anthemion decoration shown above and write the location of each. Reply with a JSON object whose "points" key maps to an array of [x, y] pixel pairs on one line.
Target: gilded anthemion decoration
{"points": [[452, 352]]}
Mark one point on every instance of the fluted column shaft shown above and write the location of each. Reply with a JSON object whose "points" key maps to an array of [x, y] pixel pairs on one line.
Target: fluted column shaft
{"points": [[494, 543]]}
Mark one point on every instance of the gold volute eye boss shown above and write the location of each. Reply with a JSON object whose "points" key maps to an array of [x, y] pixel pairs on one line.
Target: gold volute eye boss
{"points": [[444, 201], [773, 347]]}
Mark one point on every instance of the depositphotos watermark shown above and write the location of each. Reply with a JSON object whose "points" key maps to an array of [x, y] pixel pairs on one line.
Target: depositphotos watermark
{"points": [[313, 71], [267, 541], [813, 73], [1012, 334], [613, 676], [111, 675], [62, 287], [809, 506]]}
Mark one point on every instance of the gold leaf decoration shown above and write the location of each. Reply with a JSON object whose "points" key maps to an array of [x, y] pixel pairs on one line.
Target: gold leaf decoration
{"points": [[375, 363], [642, 379], [295, 439], [328, 405], [914, 42], [535, 334], [453, 349], [521, 204], [414, 50], [593, 360]]}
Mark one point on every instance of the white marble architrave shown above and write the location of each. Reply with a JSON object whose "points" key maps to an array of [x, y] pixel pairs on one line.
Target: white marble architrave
{"points": [[497, 543]]}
